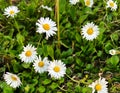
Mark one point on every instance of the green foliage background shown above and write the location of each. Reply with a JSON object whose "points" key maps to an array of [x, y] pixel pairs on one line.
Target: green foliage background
{"points": [[84, 59]]}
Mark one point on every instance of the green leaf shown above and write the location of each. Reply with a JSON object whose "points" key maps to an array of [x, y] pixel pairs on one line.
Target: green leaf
{"points": [[67, 53], [99, 53], [27, 88], [108, 46], [35, 81], [69, 84], [25, 74], [89, 66], [46, 81], [20, 39], [72, 12], [44, 50], [77, 37], [50, 51], [86, 90], [61, 80], [31, 9], [114, 60], [82, 18], [53, 86], [77, 89], [114, 36], [16, 66], [32, 88], [69, 60], [68, 25], [26, 65], [62, 5], [59, 92], [7, 89], [41, 89], [79, 62], [57, 53]]}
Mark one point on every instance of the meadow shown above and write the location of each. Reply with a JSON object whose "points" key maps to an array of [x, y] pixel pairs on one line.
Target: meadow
{"points": [[59, 46]]}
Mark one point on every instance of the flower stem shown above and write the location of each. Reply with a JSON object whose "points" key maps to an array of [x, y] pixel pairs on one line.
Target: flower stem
{"points": [[62, 88], [10, 1], [79, 81], [16, 25], [58, 25], [72, 79], [8, 66], [38, 43]]}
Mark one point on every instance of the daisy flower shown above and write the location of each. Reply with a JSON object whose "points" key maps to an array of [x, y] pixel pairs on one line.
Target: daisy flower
{"points": [[88, 3], [46, 25], [114, 52], [12, 80], [29, 54], [57, 69], [11, 11], [46, 7], [73, 2], [40, 65], [90, 31], [99, 86], [112, 5]]}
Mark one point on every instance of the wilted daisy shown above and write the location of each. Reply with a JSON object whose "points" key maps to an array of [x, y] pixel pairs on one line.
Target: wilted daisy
{"points": [[90, 31], [114, 52], [11, 11], [99, 86], [29, 54], [12, 80], [46, 25], [57, 69], [112, 5], [40, 65], [88, 3], [46, 7], [73, 2]]}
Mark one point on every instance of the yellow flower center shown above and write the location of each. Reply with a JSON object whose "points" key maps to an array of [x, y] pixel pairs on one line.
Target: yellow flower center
{"points": [[98, 87], [11, 12], [56, 68], [112, 4], [46, 26], [87, 2], [28, 53], [41, 64], [90, 31], [13, 78]]}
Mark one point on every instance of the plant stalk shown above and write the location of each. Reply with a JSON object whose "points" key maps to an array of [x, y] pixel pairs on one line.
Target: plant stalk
{"points": [[17, 26], [58, 25]]}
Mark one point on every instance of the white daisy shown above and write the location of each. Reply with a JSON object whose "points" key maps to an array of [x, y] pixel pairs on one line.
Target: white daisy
{"points": [[73, 2], [29, 54], [90, 31], [12, 80], [11, 11], [57, 69], [99, 86], [88, 3], [40, 65], [46, 7], [46, 25], [112, 5]]}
